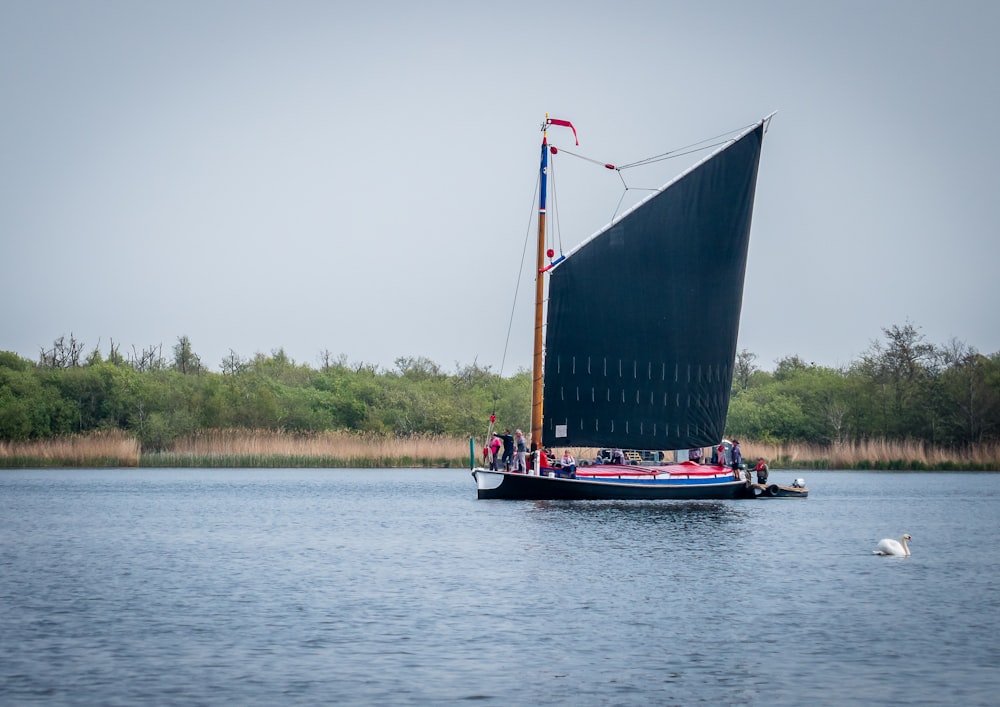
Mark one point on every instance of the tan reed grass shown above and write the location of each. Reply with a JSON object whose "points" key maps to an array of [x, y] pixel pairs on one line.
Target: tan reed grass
{"points": [[269, 448], [874, 454], [332, 448], [866, 454], [103, 448], [329, 444]]}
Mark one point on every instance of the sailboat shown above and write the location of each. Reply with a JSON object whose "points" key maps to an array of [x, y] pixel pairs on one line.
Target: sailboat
{"points": [[640, 334]]}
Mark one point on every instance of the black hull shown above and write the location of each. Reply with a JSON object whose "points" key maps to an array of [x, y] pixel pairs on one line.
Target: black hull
{"points": [[527, 487], [775, 491]]}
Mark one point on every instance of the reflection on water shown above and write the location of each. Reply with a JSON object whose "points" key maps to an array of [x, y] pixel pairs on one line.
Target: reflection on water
{"points": [[644, 510], [638, 521]]}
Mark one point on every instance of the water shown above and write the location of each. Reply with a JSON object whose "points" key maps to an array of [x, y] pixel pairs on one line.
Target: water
{"points": [[301, 587]]}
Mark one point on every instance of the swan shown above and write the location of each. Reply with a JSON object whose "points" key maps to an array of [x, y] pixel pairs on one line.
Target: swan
{"points": [[892, 547]]}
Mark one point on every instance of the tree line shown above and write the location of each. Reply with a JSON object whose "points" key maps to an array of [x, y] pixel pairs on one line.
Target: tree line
{"points": [[900, 388], [159, 399]]}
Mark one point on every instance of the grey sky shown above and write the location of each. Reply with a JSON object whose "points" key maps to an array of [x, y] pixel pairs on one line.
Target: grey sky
{"points": [[358, 177]]}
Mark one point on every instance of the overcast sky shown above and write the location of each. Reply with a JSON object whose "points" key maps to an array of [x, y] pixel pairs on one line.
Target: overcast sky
{"points": [[357, 177]]}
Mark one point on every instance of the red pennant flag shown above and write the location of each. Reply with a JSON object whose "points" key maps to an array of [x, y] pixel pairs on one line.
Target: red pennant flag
{"points": [[565, 124]]}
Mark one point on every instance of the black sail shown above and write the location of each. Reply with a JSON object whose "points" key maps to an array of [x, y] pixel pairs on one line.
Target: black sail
{"points": [[643, 318]]}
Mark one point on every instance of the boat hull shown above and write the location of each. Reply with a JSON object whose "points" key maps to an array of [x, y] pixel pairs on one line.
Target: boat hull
{"points": [[632, 484], [776, 491]]}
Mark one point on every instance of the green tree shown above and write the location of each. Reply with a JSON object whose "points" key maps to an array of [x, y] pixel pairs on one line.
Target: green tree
{"points": [[185, 359], [744, 369], [898, 372], [970, 395], [20, 405]]}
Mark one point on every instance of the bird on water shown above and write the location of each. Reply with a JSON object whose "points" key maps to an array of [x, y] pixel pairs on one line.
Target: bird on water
{"points": [[888, 546]]}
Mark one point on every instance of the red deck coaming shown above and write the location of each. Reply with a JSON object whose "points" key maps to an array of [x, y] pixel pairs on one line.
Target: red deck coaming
{"points": [[682, 469]]}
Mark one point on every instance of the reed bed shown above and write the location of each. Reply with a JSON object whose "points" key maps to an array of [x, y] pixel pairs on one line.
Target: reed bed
{"points": [[269, 448], [108, 448], [277, 449], [876, 454]]}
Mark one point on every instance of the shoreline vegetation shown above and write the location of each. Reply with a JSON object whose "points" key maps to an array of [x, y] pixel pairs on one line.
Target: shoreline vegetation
{"points": [[346, 450]]}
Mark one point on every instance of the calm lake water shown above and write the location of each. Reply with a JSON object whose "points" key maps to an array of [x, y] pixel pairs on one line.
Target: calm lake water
{"points": [[300, 587]]}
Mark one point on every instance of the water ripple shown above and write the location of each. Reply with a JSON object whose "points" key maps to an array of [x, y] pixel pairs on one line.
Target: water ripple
{"points": [[311, 587]]}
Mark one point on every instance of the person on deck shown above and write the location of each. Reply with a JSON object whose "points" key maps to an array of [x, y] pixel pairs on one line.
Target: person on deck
{"points": [[522, 453], [737, 455], [568, 464], [508, 449], [695, 455], [495, 445], [761, 470]]}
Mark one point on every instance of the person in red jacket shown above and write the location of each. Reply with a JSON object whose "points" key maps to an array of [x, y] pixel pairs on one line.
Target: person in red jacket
{"points": [[495, 445], [761, 470]]}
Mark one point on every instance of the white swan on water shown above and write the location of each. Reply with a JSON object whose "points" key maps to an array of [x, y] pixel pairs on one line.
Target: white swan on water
{"points": [[892, 547]]}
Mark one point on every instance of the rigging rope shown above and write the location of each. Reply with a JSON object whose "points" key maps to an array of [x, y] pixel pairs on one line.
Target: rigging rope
{"points": [[699, 146], [555, 203], [705, 144]]}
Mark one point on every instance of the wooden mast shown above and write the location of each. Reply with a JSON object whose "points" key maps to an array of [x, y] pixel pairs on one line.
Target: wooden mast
{"points": [[540, 270], [536, 366]]}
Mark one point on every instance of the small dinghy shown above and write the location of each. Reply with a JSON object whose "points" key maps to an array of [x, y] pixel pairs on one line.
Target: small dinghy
{"points": [[796, 490]]}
